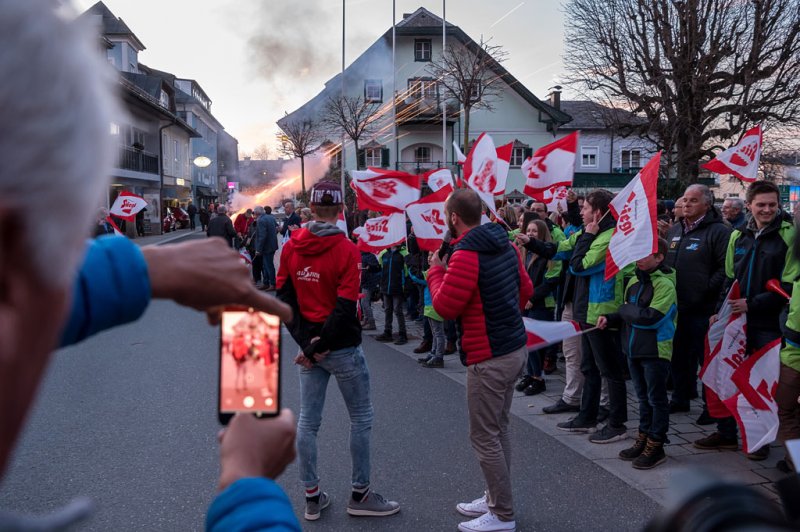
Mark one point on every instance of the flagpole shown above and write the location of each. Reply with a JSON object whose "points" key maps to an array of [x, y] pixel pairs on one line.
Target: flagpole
{"points": [[394, 88], [443, 99], [342, 102]]}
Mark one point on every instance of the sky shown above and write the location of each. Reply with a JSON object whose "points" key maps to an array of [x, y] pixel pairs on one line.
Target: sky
{"points": [[257, 59]]}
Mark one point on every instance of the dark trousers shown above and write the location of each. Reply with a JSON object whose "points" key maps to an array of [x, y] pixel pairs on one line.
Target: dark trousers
{"points": [[268, 269], [394, 305], [687, 355], [601, 357], [535, 364], [788, 409], [649, 376], [257, 266], [450, 330], [413, 303], [427, 332], [192, 224], [756, 339]]}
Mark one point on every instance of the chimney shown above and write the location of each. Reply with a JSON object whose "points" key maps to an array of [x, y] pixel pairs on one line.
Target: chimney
{"points": [[555, 97]]}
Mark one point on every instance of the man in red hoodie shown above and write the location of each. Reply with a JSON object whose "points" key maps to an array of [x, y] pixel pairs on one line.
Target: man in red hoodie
{"points": [[484, 285], [319, 278]]}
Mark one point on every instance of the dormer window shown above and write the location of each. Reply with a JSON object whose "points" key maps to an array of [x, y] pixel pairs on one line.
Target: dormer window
{"points": [[163, 99]]}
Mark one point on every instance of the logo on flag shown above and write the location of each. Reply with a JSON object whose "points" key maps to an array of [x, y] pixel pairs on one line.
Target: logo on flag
{"points": [[385, 190], [127, 205], [481, 170], [438, 178], [382, 232], [740, 160], [551, 166], [428, 219]]}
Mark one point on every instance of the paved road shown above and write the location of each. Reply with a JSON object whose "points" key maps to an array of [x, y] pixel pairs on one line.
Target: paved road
{"points": [[128, 418]]}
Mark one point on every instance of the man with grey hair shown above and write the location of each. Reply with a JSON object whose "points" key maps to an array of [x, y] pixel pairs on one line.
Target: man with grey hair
{"points": [[733, 211], [697, 247], [222, 226]]}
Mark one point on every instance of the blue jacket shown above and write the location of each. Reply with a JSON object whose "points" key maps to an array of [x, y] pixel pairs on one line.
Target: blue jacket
{"points": [[251, 504], [266, 234], [370, 271]]}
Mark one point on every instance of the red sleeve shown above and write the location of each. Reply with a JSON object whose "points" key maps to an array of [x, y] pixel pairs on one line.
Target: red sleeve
{"points": [[350, 280], [283, 268], [525, 285], [452, 290]]}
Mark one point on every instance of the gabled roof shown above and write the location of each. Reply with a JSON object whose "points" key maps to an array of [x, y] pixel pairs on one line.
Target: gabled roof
{"points": [[421, 18], [112, 25], [180, 96], [132, 89], [588, 115]]}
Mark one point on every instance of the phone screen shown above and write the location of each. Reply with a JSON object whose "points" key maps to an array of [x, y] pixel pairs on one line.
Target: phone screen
{"points": [[249, 364]]}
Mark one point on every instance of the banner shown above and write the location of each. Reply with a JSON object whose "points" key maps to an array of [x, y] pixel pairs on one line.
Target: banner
{"points": [[551, 166], [127, 205], [740, 160], [428, 219], [382, 232], [385, 190], [543, 333], [634, 207]]}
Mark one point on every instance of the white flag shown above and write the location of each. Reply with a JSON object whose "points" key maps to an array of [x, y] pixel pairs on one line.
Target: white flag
{"points": [[385, 190], [382, 232], [740, 160], [127, 205], [427, 217], [552, 165], [439, 178]]}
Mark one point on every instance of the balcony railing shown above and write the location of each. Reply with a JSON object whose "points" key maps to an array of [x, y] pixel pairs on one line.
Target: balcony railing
{"points": [[414, 167], [414, 109], [138, 161]]}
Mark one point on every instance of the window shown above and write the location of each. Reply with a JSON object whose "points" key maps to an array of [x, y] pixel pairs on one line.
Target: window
{"points": [[425, 89], [422, 154], [475, 91], [589, 157], [422, 50], [373, 90], [114, 128], [373, 157], [517, 156], [163, 99], [631, 159]]}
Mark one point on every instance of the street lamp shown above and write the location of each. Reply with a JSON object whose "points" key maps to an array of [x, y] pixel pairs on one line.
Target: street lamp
{"points": [[201, 161]]}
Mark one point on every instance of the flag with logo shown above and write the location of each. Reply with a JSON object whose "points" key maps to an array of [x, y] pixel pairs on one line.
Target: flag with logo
{"points": [[725, 349], [634, 207], [382, 232], [428, 219], [385, 190], [556, 199], [127, 205], [436, 179], [481, 170], [550, 166], [503, 158], [740, 160], [543, 333], [754, 405]]}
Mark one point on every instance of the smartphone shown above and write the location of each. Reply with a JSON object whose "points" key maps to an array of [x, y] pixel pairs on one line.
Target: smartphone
{"points": [[249, 364]]}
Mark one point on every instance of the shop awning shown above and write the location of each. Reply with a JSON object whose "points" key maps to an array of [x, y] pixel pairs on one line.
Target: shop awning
{"points": [[207, 192]]}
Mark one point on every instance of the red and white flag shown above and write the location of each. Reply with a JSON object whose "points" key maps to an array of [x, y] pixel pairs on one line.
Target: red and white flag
{"points": [[543, 333], [436, 179], [754, 405], [127, 205], [634, 207], [740, 160], [341, 223], [427, 217], [481, 170], [551, 166], [725, 350], [556, 199], [503, 163], [385, 190], [382, 232], [114, 226]]}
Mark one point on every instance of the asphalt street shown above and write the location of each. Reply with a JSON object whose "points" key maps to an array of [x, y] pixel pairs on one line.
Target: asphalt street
{"points": [[128, 418]]}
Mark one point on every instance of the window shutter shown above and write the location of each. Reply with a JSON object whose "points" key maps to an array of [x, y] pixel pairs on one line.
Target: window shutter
{"points": [[361, 159], [384, 157], [527, 152]]}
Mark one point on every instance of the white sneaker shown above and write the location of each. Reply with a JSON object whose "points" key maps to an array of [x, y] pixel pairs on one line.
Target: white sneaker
{"points": [[488, 522], [476, 508]]}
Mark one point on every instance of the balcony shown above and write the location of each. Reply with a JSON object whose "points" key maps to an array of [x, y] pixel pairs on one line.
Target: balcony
{"points": [[138, 161], [424, 110]]}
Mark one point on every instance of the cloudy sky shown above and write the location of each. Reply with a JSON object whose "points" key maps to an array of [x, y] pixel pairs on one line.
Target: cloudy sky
{"points": [[258, 58]]}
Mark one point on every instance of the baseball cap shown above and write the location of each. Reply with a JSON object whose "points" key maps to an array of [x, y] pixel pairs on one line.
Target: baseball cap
{"points": [[326, 193]]}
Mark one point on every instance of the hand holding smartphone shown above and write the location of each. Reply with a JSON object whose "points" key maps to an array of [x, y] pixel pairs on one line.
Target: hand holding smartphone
{"points": [[249, 364]]}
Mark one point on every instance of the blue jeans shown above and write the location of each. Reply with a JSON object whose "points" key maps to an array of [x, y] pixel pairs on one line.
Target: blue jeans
{"points": [[268, 267], [349, 367], [649, 376]]}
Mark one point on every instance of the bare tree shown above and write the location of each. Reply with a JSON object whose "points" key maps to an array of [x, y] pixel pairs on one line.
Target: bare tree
{"points": [[352, 116], [262, 153], [701, 71], [300, 138], [468, 74]]}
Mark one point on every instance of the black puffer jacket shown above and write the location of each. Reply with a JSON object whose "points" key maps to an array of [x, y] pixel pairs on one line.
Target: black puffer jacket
{"points": [[698, 258]]}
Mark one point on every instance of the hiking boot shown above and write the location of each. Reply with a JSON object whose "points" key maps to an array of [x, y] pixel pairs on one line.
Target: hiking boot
{"points": [[535, 387], [602, 414], [577, 425], [560, 407], [705, 418], [716, 441], [450, 348], [476, 508], [422, 360], [424, 347], [488, 522], [652, 455], [373, 504], [636, 449], [402, 340], [434, 362], [523, 383], [314, 508], [761, 454], [385, 337], [609, 434]]}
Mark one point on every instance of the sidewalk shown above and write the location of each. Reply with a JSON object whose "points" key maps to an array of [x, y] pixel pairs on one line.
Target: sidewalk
{"points": [[655, 483], [157, 240]]}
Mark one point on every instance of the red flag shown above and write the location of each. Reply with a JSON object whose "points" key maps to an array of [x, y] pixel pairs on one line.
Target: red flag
{"points": [[127, 205], [543, 333], [740, 160], [385, 190], [480, 170], [552, 165], [634, 207], [427, 217], [382, 232]]}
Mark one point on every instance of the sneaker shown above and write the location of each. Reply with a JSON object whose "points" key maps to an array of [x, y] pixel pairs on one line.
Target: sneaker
{"points": [[652, 455], [560, 407], [476, 508], [488, 522], [716, 441], [535, 387], [602, 414], [523, 383], [424, 347], [402, 340], [609, 434], [314, 509], [385, 337], [636, 449], [373, 504], [705, 418], [434, 362], [577, 425], [761, 454]]}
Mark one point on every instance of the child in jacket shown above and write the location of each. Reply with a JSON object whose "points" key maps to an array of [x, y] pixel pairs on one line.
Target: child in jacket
{"points": [[436, 358]]}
